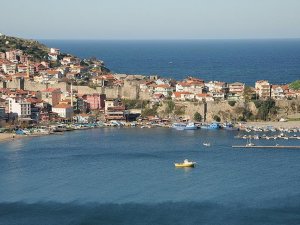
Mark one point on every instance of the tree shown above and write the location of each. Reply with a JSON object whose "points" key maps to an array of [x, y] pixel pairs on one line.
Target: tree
{"points": [[197, 117], [295, 85], [248, 93], [170, 107], [217, 118], [231, 103]]}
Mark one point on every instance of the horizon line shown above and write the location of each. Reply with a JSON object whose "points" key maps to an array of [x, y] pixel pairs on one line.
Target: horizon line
{"points": [[166, 39]]}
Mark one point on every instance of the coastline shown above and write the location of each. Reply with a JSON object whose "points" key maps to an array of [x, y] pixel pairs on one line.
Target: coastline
{"points": [[285, 125], [9, 137]]}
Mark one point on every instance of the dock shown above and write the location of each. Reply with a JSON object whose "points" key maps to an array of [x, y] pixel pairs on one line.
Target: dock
{"points": [[266, 146]]}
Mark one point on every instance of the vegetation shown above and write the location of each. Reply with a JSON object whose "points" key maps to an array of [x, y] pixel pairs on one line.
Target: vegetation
{"points": [[266, 109], [231, 103], [217, 118], [179, 110], [150, 111], [248, 94], [134, 104], [244, 113], [37, 50], [197, 117], [295, 85], [170, 106]]}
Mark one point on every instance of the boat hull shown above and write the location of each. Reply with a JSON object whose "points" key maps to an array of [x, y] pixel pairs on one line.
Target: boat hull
{"points": [[183, 165]]}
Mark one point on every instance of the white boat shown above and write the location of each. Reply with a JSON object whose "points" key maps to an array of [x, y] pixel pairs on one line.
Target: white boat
{"points": [[207, 144]]}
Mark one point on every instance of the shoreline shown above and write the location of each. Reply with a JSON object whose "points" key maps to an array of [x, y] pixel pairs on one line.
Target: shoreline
{"points": [[285, 125], [4, 137]]}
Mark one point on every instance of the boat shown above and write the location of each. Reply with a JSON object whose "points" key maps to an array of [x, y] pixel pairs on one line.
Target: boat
{"points": [[211, 126], [183, 126], [190, 126], [185, 163], [207, 144], [249, 143]]}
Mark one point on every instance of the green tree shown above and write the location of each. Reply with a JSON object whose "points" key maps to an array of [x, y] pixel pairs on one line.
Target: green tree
{"points": [[295, 85], [170, 106], [217, 118], [197, 117], [231, 103]]}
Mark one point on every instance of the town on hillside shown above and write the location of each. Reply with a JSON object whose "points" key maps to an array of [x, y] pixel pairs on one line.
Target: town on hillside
{"points": [[59, 87]]}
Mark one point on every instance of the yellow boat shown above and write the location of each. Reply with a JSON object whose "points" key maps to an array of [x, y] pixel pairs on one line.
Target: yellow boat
{"points": [[185, 163]]}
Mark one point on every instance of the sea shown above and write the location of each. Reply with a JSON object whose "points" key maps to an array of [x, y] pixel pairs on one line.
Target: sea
{"points": [[276, 60], [126, 176]]}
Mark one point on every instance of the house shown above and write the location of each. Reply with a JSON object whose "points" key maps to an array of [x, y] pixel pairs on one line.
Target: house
{"points": [[192, 86], [204, 97], [104, 80], [52, 96], [64, 110], [183, 96], [158, 98], [9, 68], [237, 88], [263, 89], [95, 101], [236, 91], [114, 110], [55, 51], [20, 107], [164, 89], [277, 92]]}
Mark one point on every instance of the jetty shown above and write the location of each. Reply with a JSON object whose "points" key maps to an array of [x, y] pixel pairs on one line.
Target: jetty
{"points": [[267, 146]]}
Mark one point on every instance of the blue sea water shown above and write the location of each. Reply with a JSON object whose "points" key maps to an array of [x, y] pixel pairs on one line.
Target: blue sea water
{"points": [[227, 60], [127, 176]]}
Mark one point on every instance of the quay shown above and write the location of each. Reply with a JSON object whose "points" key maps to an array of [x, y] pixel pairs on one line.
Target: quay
{"points": [[262, 146]]}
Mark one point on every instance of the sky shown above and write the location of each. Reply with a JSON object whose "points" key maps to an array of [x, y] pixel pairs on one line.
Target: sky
{"points": [[150, 19]]}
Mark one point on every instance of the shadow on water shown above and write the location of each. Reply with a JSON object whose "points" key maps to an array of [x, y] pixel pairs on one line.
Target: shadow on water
{"points": [[130, 213]]}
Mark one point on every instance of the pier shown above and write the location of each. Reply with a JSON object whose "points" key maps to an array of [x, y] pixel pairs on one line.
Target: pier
{"points": [[267, 146]]}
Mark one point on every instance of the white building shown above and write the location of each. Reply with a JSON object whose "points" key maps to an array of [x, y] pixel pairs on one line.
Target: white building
{"points": [[20, 107], [64, 110]]}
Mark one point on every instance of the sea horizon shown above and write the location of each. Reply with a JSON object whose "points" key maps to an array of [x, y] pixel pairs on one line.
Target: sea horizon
{"points": [[229, 60]]}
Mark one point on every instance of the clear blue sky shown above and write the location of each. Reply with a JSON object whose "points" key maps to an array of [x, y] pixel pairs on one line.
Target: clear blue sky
{"points": [[150, 19]]}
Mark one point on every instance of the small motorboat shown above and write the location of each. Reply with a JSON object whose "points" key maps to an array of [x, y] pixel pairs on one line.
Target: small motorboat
{"points": [[185, 163], [207, 144]]}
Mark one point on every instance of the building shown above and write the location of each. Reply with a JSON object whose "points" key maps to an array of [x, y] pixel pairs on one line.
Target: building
{"points": [[183, 96], [164, 89], [9, 68], [114, 110], [20, 107], [263, 89], [95, 101], [277, 92], [236, 90], [64, 110], [51, 96]]}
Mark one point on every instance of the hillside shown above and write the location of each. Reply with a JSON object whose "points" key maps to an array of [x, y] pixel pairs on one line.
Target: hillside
{"points": [[30, 47]]}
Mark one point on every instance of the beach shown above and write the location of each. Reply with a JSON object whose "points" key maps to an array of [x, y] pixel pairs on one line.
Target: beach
{"points": [[285, 125], [9, 136]]}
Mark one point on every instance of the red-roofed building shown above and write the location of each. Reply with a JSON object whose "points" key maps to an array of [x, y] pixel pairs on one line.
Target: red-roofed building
{"points": [[63, 110], [204, 97], [52, 96], [182, 96]]}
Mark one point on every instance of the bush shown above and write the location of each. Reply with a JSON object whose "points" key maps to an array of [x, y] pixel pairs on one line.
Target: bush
{"points": [[197, 117], [170, 107], [217, 118], [232, 103]]}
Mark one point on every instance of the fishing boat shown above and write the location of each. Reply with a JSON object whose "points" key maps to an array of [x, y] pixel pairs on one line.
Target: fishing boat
{"points": [[185, 163], [190, 126], [211, 126]]}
